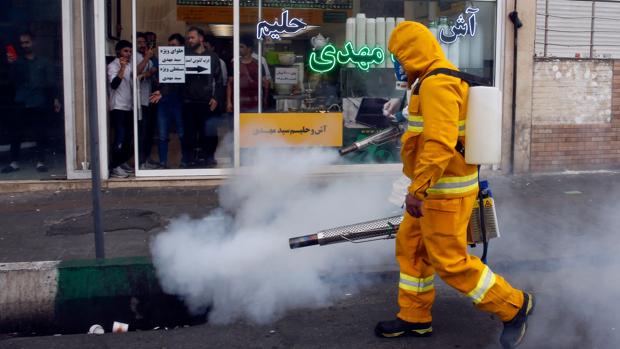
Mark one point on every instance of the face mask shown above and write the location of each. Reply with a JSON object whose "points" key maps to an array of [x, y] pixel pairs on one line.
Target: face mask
{"points": [[401, 75]]}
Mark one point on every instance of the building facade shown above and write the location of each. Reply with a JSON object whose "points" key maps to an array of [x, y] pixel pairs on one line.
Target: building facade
{"points": [[575, 91], [194, 112]]}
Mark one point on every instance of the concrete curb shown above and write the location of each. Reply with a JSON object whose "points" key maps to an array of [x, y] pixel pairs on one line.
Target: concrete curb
{"points": [[70, 296], [20, 186]]}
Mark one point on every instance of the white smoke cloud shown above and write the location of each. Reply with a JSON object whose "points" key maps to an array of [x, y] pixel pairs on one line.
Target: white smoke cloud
{"points": [[560, 241], [237, 259]]}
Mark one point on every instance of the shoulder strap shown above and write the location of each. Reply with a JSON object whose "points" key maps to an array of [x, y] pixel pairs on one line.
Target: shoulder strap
{"points": [[472, 80]]}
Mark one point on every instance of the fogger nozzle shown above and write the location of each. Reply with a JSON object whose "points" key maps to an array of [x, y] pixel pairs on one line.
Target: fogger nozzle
{"points": [[346, 150], [384, 228], [303, 241], [382, 137]]}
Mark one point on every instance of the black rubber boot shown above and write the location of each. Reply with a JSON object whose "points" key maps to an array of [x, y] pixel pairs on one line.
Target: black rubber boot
{"points": [[399, 328], [514, 330]]}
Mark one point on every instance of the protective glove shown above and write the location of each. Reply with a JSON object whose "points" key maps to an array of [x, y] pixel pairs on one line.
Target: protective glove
{"points": [[414, 206], [391, 107]]}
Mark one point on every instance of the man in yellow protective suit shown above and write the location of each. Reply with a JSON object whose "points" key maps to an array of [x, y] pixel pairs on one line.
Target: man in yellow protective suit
{"points": [[432, 237]]}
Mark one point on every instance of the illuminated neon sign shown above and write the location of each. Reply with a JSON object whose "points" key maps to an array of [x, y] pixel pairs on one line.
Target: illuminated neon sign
{"points": [[273, 30], [327, 58], [460, 27]]}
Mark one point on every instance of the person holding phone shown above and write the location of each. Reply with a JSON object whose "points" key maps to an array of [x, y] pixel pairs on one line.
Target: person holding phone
{"points": [[36, 97], [120, 94], [147, 72]]}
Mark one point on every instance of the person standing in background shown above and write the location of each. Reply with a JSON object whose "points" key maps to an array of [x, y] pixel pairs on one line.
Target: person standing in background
{"points": [[248, 79], [210, 46], [146, 72], [36, 97], [169, 101], [120, 92], [200, 100]]}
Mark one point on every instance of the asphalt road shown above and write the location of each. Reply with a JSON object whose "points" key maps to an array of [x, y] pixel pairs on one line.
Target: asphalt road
{"points": [[560, 239], [349, 323]]}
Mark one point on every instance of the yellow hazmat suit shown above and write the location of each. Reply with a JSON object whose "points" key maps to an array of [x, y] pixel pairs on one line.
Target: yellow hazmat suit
{"points": [[436, 242]]}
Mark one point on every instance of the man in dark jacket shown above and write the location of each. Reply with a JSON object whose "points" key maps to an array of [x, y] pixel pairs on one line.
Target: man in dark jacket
{"points": [[36, 96], [203, 89]]}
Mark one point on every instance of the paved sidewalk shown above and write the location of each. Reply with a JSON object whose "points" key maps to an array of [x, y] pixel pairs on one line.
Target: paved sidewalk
{"points": [[56, 225]]}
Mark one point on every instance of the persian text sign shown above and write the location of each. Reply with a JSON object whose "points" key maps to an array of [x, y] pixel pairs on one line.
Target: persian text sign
{"points": [[460, 27], [198, 65], [284, 26], [325, 60], [286, 75], [291, 129], [171, 64]]}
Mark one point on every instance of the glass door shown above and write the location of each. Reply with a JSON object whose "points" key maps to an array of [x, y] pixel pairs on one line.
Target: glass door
{"points": [[32, 100], [182, 120]]}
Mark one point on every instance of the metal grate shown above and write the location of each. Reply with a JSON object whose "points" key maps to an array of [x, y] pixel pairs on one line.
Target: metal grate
{"points": [[577, 28], [361, 231]]}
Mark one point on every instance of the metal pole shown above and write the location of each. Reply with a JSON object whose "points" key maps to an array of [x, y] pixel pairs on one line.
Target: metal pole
{"points": [[236, 80], [514, 17], [546, 27], [260, 60], [592, 30], [91, 101]]}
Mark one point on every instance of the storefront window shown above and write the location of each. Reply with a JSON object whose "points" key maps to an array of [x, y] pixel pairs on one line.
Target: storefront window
{"points": [[170, 112], [329, 72], [312, 73], [32, 138]]}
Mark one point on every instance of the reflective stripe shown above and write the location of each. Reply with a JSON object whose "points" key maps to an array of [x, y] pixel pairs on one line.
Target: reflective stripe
{"points": [[424, 331], [486, 281], [455, 185], [415, 284], [416, 124], [461, 128]]}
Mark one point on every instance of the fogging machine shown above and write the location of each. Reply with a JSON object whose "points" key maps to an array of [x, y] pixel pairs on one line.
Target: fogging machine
{"points": [[386, 228], [482, 227]]}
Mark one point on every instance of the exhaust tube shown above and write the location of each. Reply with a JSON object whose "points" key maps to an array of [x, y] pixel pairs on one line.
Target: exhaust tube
{"points": [[379, 138], [303, 241], [344, 151], [384, 228]]}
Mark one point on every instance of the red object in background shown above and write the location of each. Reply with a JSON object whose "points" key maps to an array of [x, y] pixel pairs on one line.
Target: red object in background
{"points": [[10, 50]]}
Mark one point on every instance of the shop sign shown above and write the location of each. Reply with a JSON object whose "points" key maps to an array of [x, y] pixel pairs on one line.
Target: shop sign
{"points": [[290, 129], [327, 58], [171, 64], [460, 27], [273, 30]]}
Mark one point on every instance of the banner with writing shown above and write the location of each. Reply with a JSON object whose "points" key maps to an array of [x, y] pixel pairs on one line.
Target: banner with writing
{"points": [[290, 129]]}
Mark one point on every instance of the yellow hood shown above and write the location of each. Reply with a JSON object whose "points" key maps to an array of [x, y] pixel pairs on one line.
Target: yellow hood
{"points": [[416, 48]]}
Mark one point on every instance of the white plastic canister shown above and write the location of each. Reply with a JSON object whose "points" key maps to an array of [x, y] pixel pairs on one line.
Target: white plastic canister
{"points": [[483, 132]]}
